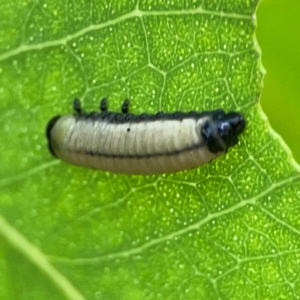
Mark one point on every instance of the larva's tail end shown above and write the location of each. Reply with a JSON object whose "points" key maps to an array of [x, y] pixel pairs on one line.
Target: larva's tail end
{"points": [[49, 128]]}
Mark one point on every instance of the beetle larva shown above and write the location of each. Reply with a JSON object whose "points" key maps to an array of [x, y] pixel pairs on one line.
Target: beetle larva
{"points": [[145, 143]]}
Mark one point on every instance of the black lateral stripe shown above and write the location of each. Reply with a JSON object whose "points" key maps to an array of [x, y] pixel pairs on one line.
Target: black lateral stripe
{"points": [[176, 152], [120, 118]]}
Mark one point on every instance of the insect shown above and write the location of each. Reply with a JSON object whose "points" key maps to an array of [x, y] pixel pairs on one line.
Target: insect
{"points": [[145, 143]]}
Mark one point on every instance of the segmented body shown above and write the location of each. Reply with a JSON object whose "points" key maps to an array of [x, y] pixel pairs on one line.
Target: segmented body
{"points": [[140, 144]]}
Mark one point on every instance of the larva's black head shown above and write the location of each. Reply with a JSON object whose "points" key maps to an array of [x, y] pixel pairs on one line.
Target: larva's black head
{"points": [[223, 130], [49, 127], [230, 127]]}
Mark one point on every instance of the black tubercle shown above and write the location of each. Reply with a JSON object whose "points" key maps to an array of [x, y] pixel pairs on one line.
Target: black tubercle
{"points": [[77, 106], [49, 127], [103, 105], [124, 116], [125, 106], [223, 130]]}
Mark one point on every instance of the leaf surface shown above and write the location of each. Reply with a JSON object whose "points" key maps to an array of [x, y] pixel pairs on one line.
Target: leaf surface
{"points": [[227, 230]]}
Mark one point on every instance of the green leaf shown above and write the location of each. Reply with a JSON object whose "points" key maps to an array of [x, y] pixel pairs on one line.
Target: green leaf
{"points": [[227, 230]]}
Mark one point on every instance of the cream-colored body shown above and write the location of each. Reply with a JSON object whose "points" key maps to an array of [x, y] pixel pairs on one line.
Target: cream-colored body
{"points": [[147, 147]]}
